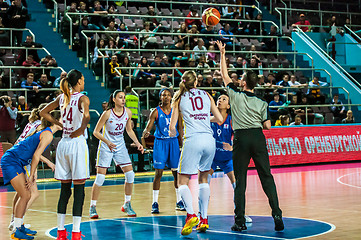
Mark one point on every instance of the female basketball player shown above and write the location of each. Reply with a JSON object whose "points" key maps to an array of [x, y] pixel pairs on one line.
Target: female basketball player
{"points": [[223, 134], [198, 145], [112, 123], [30, 128], [12, 164], [166, 149], [72, 152]]}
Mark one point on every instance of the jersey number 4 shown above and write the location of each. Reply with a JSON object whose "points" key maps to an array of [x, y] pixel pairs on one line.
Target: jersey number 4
{"points": [[197, 103], [68, 116]]}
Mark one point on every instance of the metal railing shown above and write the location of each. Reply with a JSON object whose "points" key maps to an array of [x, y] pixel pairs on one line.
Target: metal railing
{"points": [[352, 32], [84, 32], [322, 3], [26, 49], [28, 90], [68, 14], [56, 14], [349, 77], [17, 29], [340, 43], [28, 68], [215, 51], [320, 12], [215, 68]]}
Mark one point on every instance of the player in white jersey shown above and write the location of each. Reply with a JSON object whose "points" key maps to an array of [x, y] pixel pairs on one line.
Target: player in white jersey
{"points": [[198, 148], [109, 130], [30, 128], [72, 164]]}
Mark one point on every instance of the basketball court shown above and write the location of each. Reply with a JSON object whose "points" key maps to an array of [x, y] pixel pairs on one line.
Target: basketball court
{"points": [[318, 202]]}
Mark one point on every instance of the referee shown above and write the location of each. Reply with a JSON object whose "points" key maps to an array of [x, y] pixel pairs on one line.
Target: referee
{"points": [[250, 116]]}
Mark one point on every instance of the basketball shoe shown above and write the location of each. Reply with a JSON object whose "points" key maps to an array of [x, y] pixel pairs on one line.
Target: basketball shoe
{"points": [[93, 212], [180, 206], [203, 225], [155, 207], [127, 208], [191, 221], [62, 235], [20, 235]]}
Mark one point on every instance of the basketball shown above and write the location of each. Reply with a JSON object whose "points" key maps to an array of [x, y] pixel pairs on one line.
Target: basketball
{"points": [[211, 17]]}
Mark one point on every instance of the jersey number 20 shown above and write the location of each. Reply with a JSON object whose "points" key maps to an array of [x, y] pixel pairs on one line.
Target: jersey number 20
{"points": [[197, 102]]}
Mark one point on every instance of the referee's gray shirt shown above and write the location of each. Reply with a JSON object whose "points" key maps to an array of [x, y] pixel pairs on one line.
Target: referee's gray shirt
{"points": [[248, 111]]}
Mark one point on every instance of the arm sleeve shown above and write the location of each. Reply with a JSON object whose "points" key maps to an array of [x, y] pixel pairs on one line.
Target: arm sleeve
{"points": [[13, 113]]}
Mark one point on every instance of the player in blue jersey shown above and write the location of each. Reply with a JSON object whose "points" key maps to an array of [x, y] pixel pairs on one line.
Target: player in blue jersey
{"points": [[223, 133], [12, 164], [166, 149]]}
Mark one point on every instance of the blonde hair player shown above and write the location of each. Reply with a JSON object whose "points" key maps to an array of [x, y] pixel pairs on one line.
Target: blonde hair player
{"points": [[199, 146], [72, 158], [12, 164], [112, 123], [30, 128]]}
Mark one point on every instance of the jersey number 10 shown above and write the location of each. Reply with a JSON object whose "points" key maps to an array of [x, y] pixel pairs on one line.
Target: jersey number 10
{"points": [[197, 103]]}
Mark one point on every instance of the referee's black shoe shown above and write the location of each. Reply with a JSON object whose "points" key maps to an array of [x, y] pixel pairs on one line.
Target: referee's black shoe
{"points": [[279, 226], [239, 228]]}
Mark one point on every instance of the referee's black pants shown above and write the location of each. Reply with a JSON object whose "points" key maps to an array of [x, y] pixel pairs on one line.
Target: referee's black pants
{"points": [[247, 144]]}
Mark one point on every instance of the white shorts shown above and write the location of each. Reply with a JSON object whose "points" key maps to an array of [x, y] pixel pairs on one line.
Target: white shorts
{"points": [[72, 159], [197, 154], [105, 156]]}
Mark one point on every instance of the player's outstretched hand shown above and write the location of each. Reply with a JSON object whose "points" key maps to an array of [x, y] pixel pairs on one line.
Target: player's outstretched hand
{"points": [[221, 46], [111, 146], [172, 132]]}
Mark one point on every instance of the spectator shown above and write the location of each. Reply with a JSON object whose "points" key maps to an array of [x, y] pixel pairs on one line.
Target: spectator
{"points": [[98, 58], [217, 76], [147, 38], [193, 14], [48, 61], [208, 40], [338, 111], [56, 83], [109, 18], [157, 63], [29, 43], [4, 35], [211, 56], [85, 25], [228, 40], [114, 76], [105, 106], [349, 117], [200, 80], [234, 78], [257, 28], [112, 36], [8, 115], [111, 48], [315, 95], [65, 22], [254, 65], [124, 37], [283, 120], [274, 113], [178, 72], [203, 68], [270, 43], [176, 55], [284, 83], [52, 96], [305, 24], [163, 82], [240, 63], [167, 65], [154, 21], [4, 6], [193, 36], [17, 15], [199, 50], [183, 30], [297, 122], [144, 75], [192, 63], [44, 81], [22, 104], [29, 62], [132, 102], [97, 21], [82, 7], [126, 72]]}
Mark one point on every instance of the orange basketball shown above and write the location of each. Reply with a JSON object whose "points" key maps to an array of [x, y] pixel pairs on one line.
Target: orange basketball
{"points": [[211, 16]]}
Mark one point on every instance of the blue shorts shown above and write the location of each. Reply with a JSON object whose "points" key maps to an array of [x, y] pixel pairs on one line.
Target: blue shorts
{"points": [[10, 167], [166, 152], [226, 166]]}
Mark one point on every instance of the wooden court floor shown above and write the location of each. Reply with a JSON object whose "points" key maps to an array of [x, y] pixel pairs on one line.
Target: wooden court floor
{"points": [[329, 193]]}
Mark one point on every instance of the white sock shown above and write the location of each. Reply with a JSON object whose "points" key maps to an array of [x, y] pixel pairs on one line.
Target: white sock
{"points": [[93, 202], [76, 223], [209, 178], [234, 185], [186, 196], [204, 193], [17, 223], [12, 217], [22, 220], [155, 195], [61, 221], [128, 198], [178, 195]]}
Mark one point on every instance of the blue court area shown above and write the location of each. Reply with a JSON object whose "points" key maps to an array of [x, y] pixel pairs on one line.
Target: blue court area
{"points": [[169, 227]]}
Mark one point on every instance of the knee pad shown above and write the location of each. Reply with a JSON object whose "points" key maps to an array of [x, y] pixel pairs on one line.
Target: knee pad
{"points": [[129, 176], [99, 179]]}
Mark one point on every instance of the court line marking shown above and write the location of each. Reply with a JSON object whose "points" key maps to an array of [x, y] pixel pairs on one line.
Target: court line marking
{"points": [[333, 227], [35, 210], [346, 184]]}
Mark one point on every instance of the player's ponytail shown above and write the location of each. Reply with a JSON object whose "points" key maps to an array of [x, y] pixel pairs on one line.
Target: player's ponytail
{"points": [[187, 83], [34, 115], [111, 103], [68, 82]]}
